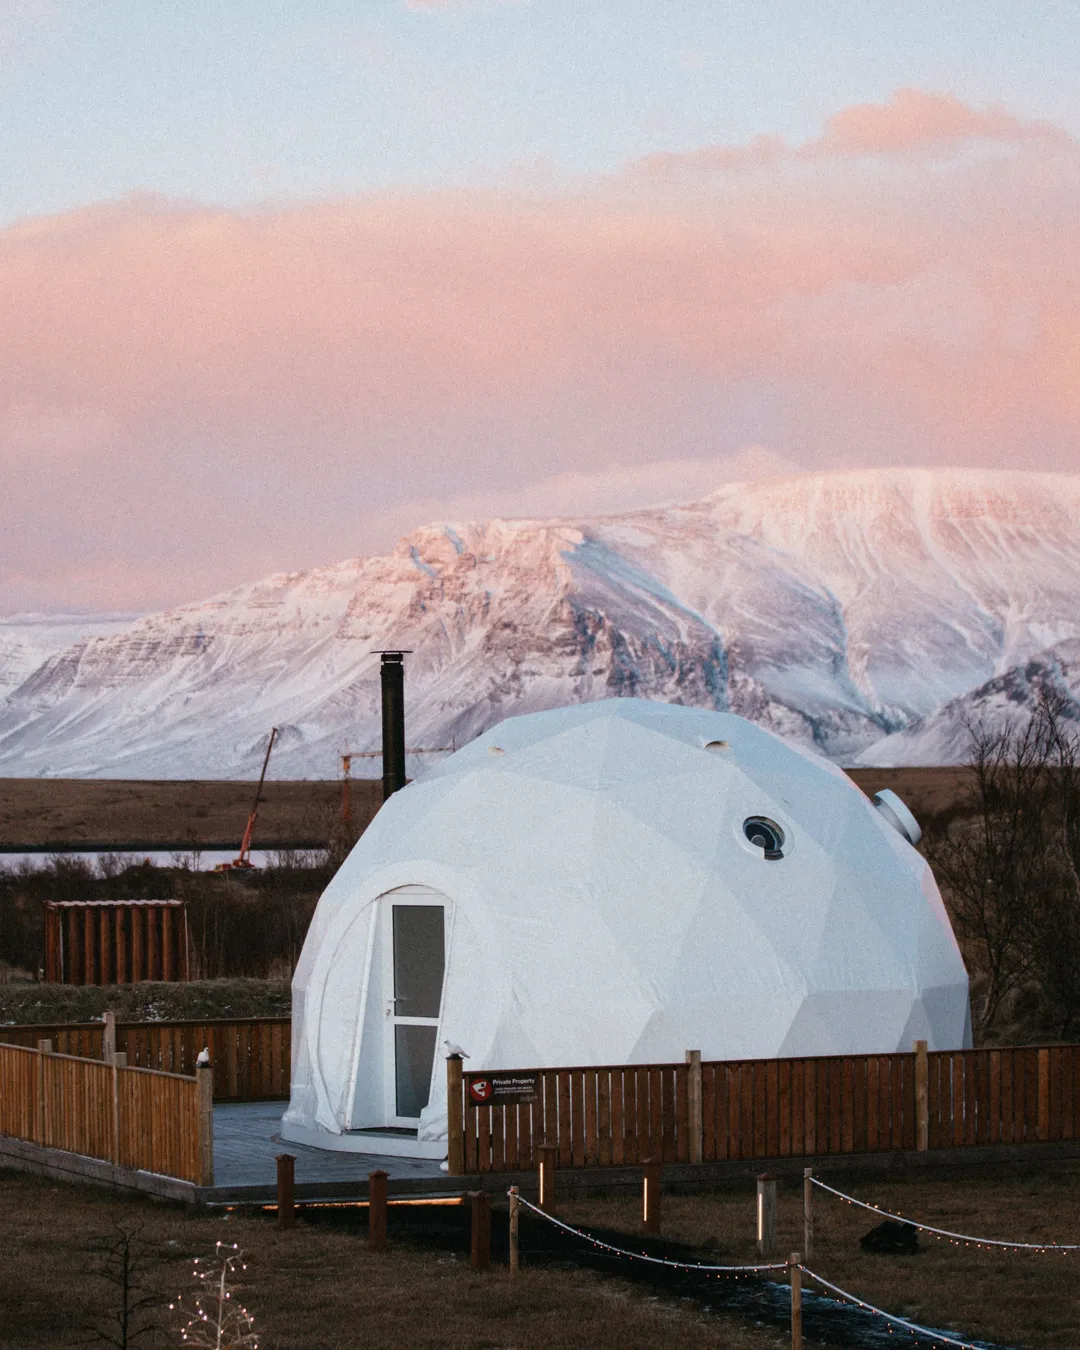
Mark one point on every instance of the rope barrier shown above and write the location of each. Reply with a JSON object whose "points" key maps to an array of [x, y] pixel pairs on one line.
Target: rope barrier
{"points": [[642, 1256], [965, 1238], [936, 1336]]}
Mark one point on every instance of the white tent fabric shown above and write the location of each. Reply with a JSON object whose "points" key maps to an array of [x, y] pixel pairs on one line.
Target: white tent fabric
{"points": [[605, 905]]}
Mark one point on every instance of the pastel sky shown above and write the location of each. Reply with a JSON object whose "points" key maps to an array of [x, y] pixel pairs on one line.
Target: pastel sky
{"points": [[280, 282]]}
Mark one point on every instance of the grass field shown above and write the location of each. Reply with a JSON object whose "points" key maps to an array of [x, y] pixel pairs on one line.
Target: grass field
{"points": [[1026, 1300], [44, 811], [319, 1288]]}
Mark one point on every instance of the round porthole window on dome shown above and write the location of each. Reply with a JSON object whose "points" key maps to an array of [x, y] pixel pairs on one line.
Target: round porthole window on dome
{"points": [[766, 835]]}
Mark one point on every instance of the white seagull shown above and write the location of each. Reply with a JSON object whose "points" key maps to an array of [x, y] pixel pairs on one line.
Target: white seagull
{"points": [[454, 1051], [203, 1058]]}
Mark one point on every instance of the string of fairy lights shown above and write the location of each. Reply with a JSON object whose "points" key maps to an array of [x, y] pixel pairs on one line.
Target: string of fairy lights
{"points": [[935, 1337], [913, 1328], [216, 1318], [644, 1256], [956, 1239]]}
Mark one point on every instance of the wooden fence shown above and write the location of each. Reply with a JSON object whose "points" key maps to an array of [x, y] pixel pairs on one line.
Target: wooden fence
{"points": [[135, 1118], [773, 1108], [250, 1056]]}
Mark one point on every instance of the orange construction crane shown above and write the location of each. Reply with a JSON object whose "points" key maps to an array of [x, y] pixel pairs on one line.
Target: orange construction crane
{"points": [[346, 774], [243, 863]]}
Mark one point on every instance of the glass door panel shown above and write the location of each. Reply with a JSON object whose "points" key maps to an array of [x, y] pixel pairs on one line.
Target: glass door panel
{"points": [[414, 1058], [419, 963], [419, 960]]}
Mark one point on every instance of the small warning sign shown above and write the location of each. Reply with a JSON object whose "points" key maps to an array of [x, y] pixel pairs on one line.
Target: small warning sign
{"points": [[503, 1089]]}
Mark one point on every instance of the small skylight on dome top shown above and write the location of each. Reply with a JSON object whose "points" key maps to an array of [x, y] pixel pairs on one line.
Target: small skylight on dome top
{"points": [[717, 746], [766, 835]]}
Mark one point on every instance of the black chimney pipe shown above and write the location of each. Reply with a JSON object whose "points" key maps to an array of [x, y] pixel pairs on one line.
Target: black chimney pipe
{"points": [[393, 723]]}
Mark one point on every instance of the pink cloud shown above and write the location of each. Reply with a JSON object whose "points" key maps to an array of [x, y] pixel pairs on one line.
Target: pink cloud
{"points": [[916, 121], [912, 122], [189, 397]]}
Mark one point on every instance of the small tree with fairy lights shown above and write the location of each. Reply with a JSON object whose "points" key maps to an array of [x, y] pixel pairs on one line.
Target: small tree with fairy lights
{"points": [[214, 1320]]}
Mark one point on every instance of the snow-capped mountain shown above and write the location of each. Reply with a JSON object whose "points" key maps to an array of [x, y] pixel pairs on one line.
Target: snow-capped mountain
{"points": [[1007, 701], [27, 639], [836, 608]]}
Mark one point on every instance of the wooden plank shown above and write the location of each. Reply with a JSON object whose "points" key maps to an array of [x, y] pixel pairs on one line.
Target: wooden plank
{"points": [[810, 1107], [642, 1138], [835, 1072], [498, 1138], [590, 1087], [603, 1116], [771, 1105], [512, 1134], [860, 1068], [709, 1078], [563, 1137], [873, 1103], [655, 1149], [760, 1112], [483, 1142], [1006, 1124], [1044, 1106], [740, 1114], [1068, 1098], [745, 1100], [526, 1134], [681, 1086], [618, 1123], [784, 1072], [797, 1092], [1032, 1121], [959, 1099], [668, 1150]]}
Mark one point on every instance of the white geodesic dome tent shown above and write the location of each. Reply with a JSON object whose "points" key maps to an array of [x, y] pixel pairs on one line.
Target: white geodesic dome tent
{"points": [[611, 883]]}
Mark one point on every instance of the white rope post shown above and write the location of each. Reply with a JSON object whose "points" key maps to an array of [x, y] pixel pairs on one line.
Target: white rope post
{"points": [[808, 1213], [766, 1215], [795, 1277], [545, 1154], [515, 1224]]}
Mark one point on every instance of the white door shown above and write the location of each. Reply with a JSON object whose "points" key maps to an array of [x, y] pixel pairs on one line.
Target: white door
{"points": [[415, 957]]}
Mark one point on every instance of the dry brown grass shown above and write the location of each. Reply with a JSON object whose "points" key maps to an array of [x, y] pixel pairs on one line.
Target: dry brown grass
{"points": [[1025, 1300], [320, 1289], [46, 811], [43, 811]]}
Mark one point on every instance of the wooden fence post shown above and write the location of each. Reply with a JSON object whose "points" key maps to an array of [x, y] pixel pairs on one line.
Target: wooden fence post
{"points": [[515, 1227], [922, 1097], [286, 1209], [766, 1215], [44, 1048], [546, 1155], [376, 1233], [455, 1117], [693, 1104], [204, 1077], [481, 1230], [795, 1276], [108, 1037], [114, 1073], [650, 1196], [808, 1213]]}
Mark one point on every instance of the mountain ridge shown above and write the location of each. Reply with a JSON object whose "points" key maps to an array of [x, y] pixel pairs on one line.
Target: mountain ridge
{"points": [[840, 609]]}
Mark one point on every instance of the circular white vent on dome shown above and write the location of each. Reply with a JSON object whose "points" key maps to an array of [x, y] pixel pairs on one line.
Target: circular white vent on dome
{"points": [[892, 809], [766, 835]]}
